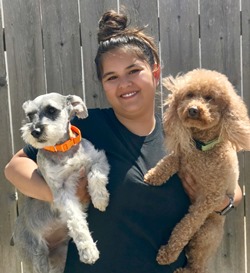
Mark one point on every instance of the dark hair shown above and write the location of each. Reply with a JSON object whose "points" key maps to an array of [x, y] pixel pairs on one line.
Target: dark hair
{"points": [[114, 33]]}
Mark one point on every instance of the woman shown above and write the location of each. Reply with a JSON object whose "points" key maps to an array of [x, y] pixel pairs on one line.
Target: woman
{"points": [[139, 218]]}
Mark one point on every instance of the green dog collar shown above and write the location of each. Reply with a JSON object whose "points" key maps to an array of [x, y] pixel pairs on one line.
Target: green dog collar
{"points": [[206, 146]]}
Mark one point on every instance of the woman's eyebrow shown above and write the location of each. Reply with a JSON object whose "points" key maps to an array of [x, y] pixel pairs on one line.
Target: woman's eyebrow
{"points": [[108, 74], [113, 72]]}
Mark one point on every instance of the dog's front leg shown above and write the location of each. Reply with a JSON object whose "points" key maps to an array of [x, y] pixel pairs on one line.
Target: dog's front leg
{"points": [[187, 227], [40, 259], [98, 180], [165, 168], [72, 212]]}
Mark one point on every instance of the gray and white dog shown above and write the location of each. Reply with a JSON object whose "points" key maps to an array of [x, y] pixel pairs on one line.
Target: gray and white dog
{"points": [[48, 122]]}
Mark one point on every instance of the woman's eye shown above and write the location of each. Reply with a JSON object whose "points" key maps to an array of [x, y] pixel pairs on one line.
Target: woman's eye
{"points": [[111, 78], [134, 71]]}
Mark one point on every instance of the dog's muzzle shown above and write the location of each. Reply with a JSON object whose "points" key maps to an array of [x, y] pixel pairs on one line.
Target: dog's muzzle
{"points": [[37, 131], [193, 112]]}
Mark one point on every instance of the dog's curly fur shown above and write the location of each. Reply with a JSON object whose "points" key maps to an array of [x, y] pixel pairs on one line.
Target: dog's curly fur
{"points": [[203, 106]]}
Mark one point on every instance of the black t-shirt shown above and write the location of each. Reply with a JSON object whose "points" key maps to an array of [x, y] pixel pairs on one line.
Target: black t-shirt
{"points": [[140, 217]]}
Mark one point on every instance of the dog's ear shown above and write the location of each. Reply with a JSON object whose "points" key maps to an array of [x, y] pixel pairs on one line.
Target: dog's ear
{"points": [[169, 83], [25, 105], [236, 124], [76, 106], [180, 135]]}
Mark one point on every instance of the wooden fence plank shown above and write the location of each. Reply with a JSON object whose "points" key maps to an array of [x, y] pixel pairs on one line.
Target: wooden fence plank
{"points": [[220, 50], [25, 62], [179, 35], [142, 14], [246, 95], [91, 11], [25, 57], [220, 37], [61, 38], [7, 192]]}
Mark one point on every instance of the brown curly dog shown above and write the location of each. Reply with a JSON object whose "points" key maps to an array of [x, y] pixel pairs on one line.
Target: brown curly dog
{"points": [[205, 124]]}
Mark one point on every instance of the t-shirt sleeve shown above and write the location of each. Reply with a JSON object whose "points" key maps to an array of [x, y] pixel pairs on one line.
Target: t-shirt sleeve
{"points": [[30, 151]]}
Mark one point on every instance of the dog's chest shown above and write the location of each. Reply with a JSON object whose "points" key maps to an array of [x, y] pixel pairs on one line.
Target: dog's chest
{"points": [[56, 168], [217, 166]]}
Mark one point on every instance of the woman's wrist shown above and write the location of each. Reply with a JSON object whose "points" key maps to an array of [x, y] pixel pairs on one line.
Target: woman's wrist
{"points": [[224, 204], [228, 205], [231, 201]]}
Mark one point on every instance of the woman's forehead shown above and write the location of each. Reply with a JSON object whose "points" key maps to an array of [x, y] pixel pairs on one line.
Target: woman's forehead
{"points": [[122, 57]]}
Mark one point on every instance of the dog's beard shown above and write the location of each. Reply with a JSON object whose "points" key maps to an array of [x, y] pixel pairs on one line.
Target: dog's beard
{"points": [[51, 135]]}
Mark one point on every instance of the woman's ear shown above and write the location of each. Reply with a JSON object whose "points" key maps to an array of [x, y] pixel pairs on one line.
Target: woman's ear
{"points": [[157, 72]]}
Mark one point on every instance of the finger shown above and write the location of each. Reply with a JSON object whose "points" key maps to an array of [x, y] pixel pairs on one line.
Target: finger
{"points": [[186, 184], [82, 192], [189, 187], [82, 173]]}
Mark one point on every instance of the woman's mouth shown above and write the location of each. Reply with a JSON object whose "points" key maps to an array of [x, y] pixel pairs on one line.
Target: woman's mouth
{"points": [[128, 95]]}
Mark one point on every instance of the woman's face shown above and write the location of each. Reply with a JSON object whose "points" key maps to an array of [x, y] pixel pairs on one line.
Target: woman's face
{"points": [[129, 83]]}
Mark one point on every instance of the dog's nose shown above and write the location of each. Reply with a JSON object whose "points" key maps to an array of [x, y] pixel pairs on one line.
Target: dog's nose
{"points": [[37, 132], [193, 112]]}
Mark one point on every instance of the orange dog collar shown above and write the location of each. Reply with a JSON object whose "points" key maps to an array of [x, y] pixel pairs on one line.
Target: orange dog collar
{"points": [[67, 144]]}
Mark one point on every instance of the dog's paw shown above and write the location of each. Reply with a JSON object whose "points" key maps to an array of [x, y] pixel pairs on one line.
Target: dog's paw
{"points": [[151, 178], [88, 253], [166, 255], [101, 201]]}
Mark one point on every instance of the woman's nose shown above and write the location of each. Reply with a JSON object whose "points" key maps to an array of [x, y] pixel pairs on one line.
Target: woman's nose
{"points": [[125, 82]]}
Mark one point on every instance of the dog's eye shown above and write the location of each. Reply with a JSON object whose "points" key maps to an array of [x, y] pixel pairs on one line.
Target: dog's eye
{"points": [[51, 110], [30, 116], [208, 98], [190, 95]]}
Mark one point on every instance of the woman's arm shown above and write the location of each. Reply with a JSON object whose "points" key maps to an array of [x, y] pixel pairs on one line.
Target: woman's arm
{"points": [[22, 172]]}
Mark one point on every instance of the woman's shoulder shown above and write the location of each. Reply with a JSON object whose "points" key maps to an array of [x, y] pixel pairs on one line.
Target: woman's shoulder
{"points": [[158, 117], [95, 114], [96, 124], [100, 113], [95, 117]]}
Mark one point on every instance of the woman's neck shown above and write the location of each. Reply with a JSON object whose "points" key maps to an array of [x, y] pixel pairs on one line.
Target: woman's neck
{"points": [[141, 125]]}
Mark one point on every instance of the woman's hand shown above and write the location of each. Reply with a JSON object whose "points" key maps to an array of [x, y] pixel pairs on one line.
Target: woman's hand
{"points": [[82, 191], [190, 187]]}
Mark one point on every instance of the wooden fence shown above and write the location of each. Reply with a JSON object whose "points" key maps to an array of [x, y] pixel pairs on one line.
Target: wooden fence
{"points": [[49, 45]]}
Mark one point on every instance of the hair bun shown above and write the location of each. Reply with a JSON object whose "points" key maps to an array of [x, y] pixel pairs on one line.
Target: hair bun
{"points": [[110, 24]]}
